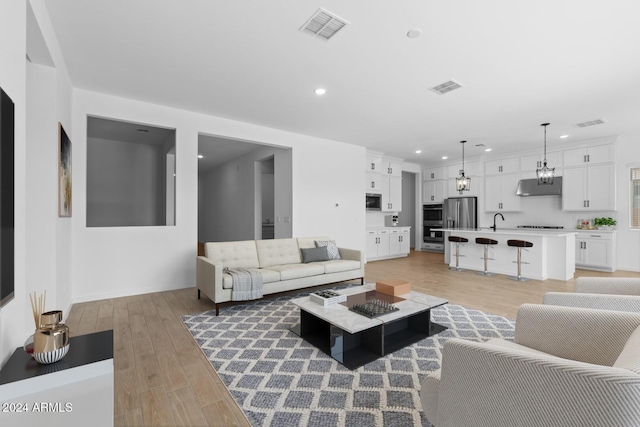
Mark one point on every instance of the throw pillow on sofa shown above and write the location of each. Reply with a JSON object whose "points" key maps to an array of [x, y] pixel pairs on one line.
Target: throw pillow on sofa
{"points": [[332, 248], [314, 255]]}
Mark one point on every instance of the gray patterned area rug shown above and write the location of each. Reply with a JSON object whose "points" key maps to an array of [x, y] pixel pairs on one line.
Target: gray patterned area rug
{"points": [[280, 380]]}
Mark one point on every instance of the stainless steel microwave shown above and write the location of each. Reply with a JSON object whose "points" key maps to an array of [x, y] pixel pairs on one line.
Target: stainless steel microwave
{"points": [[373, 202]]}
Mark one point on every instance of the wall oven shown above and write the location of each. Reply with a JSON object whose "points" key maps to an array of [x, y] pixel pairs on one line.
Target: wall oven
{"points": [[373, 202], [432, 219]]}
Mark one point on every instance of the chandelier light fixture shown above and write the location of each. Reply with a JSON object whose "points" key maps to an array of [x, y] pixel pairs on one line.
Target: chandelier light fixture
{"points": [[545, 174], [463, 183]]}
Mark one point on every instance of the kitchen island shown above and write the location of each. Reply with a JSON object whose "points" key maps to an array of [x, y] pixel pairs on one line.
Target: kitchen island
{"points": [[553, 255]]}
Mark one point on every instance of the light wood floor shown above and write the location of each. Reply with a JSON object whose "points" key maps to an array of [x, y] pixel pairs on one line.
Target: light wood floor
{"points": [[162, 378]]}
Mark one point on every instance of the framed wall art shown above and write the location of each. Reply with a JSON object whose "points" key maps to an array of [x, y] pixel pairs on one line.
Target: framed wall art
{"points": [[7, 201], [64, 173]]}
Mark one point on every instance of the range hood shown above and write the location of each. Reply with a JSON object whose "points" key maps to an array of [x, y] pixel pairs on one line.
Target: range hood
{"points": [[530, 187]]}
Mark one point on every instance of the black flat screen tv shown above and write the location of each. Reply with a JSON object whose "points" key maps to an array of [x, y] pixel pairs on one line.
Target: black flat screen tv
{"points": [[7, 257]]}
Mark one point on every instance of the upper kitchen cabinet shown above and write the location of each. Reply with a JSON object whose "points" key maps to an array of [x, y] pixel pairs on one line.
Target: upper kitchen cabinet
{"points": [[589, 188], [433, 173], [497, 167], [470, 169], [588, 182], [434, 191], [500, 193], [391, 168], [374, 164], [535, 161], [374, 182], [392, 193], [589, 156]]}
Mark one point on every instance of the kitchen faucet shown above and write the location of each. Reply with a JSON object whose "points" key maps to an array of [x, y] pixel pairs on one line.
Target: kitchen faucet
{"points": [[494, 220]]}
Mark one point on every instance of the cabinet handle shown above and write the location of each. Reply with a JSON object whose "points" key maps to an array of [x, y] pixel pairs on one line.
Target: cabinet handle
{"points": [[584, 158], [373, 184], [588, 203], [588, 158], [431, 198], [373, 166], [433, 175], [595, 235]]}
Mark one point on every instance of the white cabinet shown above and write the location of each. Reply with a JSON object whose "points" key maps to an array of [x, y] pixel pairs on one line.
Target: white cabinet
{"points": [[470, 169], [536, 161], [377, 244], [434, 191], [595, 250], [500, 193], [399, 242], [391, 168], [391, 193], [590, 155], [374, 164], [433, 173], [387, 242], [374, 182], [589, 188], [497, 167]]}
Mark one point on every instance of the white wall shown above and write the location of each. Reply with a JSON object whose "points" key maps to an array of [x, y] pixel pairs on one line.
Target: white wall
{"points": [[229, 207], [132, 260], [126, 184]]}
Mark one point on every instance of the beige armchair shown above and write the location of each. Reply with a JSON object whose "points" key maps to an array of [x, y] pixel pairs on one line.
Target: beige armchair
{"points": [[606, 293], [567, 367]]}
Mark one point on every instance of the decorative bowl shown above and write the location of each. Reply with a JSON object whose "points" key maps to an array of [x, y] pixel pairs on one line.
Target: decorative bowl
{"points": [[51, 356]]}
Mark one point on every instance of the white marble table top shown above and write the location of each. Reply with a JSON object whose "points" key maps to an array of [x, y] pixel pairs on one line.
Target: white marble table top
{"points": [[347, 320]]}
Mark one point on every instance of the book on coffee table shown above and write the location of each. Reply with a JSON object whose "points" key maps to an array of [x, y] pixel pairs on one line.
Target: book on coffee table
{"points": [[327, 297]]}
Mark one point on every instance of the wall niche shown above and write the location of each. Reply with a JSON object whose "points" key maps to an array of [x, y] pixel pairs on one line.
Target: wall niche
{"points": [[131, 174]]}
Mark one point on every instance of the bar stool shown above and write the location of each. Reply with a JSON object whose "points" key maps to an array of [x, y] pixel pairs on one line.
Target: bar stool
{"points": [[486, 242], [519, 244], [457, 240]]}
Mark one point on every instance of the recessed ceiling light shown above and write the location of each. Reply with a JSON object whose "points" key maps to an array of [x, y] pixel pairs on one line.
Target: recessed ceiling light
{"points": [[200, 156], [320, 91], [487, 149], [418, 151], [413, 33], [564, 136], [444, 157]]}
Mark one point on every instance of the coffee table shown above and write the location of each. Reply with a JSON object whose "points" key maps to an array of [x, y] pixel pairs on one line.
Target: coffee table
{"points": [[354, 339]]}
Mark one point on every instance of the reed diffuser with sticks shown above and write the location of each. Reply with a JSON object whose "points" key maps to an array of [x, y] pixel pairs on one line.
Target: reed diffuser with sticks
{"points": [[51, 338]]}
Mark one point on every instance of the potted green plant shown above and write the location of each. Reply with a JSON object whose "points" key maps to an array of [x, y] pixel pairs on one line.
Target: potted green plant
{"points": [[604, 223]]}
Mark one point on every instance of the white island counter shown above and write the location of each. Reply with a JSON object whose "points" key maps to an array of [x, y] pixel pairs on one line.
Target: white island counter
{"points": [[553, 255]]}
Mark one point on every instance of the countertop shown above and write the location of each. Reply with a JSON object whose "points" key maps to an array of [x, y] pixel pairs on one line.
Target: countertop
{"points": [[515, 231]]}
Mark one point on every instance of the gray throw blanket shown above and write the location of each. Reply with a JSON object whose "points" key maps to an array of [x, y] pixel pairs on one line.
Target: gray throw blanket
{"points": [[247, 284]]}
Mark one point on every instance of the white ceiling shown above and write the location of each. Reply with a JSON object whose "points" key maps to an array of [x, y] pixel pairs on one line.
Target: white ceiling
{"points": [[521, 64]]}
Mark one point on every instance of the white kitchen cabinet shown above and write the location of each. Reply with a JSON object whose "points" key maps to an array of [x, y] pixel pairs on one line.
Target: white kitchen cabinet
{"points": [[391, 193], [391, 168], [500, 193], [496, 167], [536, 161], [387, 242], [595, 250], [590, 155], [374, 164], [589, 188], [433, 173], [377, 245], [399, 241], [434, 191], [374, 182], [470, 169]]}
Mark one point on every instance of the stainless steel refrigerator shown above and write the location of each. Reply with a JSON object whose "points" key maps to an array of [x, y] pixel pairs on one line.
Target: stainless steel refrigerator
{"points": [[460, 212]]}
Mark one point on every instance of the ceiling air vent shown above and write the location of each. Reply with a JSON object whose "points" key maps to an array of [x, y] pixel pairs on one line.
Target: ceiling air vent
{"points": [[446, 87], [324, 24], [591, 123]]}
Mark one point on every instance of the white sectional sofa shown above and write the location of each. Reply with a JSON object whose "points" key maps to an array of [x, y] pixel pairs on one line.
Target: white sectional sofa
{"points": [[279, 260]]}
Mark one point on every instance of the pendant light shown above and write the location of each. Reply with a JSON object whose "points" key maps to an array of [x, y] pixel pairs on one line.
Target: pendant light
{"points": [[545, 174], [463, 183]]}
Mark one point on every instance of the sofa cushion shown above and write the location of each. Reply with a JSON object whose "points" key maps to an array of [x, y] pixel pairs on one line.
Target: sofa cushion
{"points": [[332, 248], [268, 276], [233, 254], [278, 252], [336, 266], [499, 342], [630, 355], [310, 242], [314, 254], [297, 271]]}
